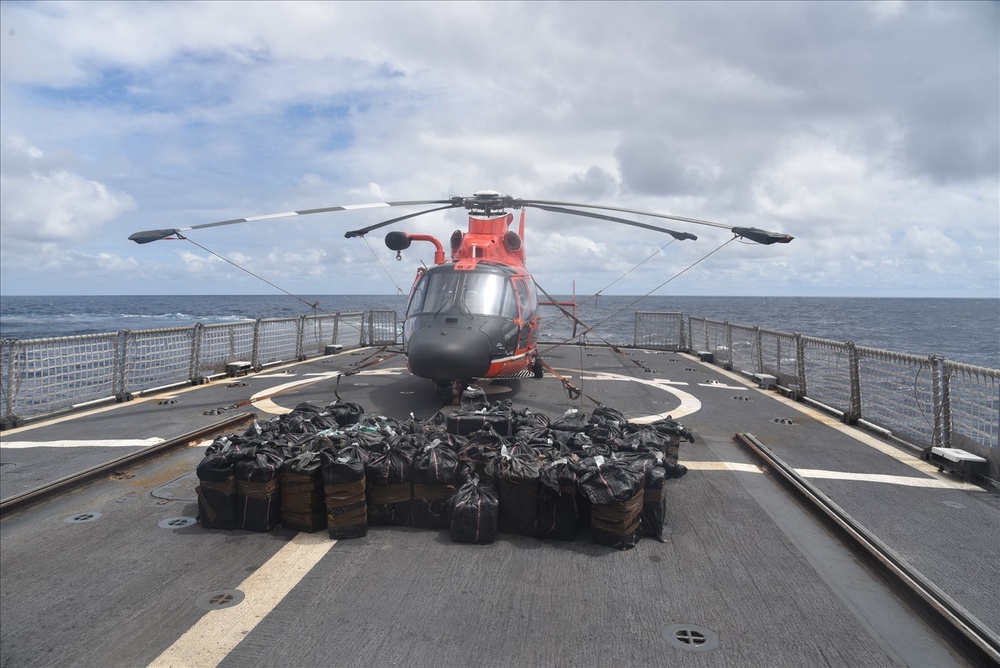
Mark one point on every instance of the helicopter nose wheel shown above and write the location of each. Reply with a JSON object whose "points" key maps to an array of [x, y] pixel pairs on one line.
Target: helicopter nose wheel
{"points": [[450, 391], [537, 368]]}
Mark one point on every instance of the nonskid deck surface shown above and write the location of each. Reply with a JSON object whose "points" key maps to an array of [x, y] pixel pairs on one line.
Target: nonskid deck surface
{"points": [[742, 562]]}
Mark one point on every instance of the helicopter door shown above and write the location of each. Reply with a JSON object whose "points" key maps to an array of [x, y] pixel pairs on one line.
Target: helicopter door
{"points": [[527, 306]]}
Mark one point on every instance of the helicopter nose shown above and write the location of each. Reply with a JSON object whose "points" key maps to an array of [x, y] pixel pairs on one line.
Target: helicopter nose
{"points": [[443, 353]]}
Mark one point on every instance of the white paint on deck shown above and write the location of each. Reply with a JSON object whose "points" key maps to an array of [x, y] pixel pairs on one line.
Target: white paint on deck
{"points": [[107, 443], [817, 474], [218, 632]]}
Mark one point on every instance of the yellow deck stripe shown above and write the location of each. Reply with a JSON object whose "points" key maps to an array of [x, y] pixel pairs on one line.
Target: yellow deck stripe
{"points": [[218, 632]]}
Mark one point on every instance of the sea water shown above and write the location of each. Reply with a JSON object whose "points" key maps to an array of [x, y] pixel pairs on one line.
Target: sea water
{"points": [[963, 330]]}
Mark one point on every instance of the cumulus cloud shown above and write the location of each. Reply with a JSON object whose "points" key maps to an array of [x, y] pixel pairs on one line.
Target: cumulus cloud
{"points": [[867, 130], [42, 201]]}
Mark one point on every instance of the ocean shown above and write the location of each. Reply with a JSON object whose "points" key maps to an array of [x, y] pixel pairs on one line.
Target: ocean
{"points": [[963, 330]]}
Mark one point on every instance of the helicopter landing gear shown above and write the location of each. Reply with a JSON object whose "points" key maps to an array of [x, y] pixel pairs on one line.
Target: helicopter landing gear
{"points": [[537, 368], [450, 391]]}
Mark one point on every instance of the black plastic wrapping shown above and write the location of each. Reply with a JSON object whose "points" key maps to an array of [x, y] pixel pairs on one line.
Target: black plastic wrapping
{"points": [[258, 502], [517, 489], [344, 487], [389, 484], [217, 492], [558, 510], [435, 475], [303, 503], [474, 513], [614, 489]]}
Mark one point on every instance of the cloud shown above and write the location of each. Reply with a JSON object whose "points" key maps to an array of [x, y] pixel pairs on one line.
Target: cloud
{"points": [[848, 125], [41, 201]]}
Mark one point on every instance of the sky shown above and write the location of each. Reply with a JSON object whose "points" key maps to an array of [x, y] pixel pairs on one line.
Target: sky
{"points": [[868, 131]]}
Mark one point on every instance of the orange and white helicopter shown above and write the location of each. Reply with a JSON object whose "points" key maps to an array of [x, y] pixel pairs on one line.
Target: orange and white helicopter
{"points": [[474, 315]]}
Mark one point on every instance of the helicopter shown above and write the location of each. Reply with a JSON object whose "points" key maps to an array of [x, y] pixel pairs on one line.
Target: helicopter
{"points": [[475, 315]]}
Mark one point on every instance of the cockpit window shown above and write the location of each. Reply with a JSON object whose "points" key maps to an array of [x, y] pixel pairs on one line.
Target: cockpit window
{"points": [[477, 293]]}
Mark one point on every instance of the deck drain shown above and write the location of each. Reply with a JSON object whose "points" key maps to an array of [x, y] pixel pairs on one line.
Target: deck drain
{"points": [[167, 402], [691, 637], [217, 600], [741, 397], [176, 522], [783, 421], [240, 384], [80, 518]]}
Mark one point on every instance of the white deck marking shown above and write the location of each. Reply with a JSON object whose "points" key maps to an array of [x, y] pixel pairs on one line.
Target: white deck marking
{"points": [[218, 632], [907, 481], [689, 403], [107, 443]]}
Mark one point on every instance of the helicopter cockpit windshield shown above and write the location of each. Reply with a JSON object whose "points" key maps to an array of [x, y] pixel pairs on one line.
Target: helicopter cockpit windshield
{"points": [[476, 293]]}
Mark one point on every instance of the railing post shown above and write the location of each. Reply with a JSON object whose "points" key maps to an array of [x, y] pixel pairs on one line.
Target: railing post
{"points": [[300, 335], [194, 373], [800, 356], [853, 414], [729, 346], [11, 382], [759, 339], [336, 328], [941, 382], [121, 363], [255, 354]]}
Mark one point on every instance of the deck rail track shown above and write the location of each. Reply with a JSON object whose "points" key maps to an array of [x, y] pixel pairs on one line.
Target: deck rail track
{"points": [[968, 634], [70, 482]]}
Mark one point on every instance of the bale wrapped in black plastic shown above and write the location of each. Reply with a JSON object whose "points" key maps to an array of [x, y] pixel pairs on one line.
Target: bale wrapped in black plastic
{"points": [[558, 510], [217, 492], [474, 512], [665, 435], [344, 487], [389, 483], [654, 504], [481, 449], [572, 420], [435, 476], [614, 489], [258, 500], [517, 488], [345, 412], [303, 503], [465, 424]]}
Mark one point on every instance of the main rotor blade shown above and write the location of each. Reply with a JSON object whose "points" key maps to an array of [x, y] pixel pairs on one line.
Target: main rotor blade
{"points": [[682, 219], [680, 236], [362, 232], [155, 235]]}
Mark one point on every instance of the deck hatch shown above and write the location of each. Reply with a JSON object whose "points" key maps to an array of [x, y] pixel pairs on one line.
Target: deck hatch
{"points": [[176, 522], [80, 518], [691, 637], [217, 600]]}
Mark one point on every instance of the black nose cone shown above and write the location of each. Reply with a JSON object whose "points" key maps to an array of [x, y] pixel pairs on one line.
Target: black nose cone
{"points": [[444, 353]]}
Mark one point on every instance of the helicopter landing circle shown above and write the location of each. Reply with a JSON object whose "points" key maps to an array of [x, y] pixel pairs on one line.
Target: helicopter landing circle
{"points": [[688, 403]]}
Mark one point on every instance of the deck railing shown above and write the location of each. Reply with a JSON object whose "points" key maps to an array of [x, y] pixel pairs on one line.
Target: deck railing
{"points": [[925, 401], [44, 376]]}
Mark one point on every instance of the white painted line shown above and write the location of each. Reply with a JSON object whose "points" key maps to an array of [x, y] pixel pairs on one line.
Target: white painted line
{"points": [[274, 375], [218, 632], [109, 443], [722, 466], [722, 386], [688, 402], [908, 481]]}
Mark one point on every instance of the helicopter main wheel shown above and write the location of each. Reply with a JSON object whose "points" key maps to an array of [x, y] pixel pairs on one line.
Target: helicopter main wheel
{"points": [[537, 368]]}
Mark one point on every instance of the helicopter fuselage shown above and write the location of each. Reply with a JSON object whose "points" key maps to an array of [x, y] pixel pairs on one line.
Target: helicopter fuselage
{"points": [[475, 316]]}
